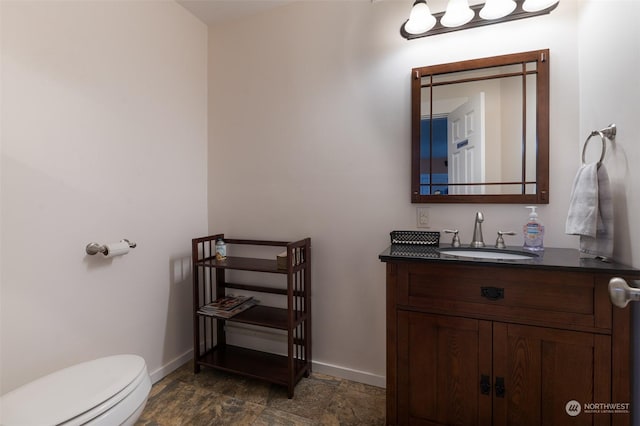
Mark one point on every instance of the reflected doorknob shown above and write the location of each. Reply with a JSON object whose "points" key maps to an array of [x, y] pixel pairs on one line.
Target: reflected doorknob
{"points": [[621, 294]]}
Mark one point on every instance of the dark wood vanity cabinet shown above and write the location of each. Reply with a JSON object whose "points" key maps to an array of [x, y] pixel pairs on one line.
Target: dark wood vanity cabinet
{"points": [[486, 344]]}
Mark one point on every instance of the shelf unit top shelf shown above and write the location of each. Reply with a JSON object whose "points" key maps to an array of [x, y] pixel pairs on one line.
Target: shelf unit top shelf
{"points": [[243, 264], [247, 264]]}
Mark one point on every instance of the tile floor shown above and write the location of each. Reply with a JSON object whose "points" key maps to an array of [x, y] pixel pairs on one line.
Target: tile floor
{"points": [[216, 398]]}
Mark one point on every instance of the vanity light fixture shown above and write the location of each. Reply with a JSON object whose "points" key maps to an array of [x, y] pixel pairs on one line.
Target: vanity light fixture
{"points": [[495, 9], [459, 15], [420, 20]]}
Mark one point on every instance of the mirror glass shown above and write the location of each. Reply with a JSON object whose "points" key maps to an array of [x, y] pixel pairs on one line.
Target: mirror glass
{"points": [[480, 130]]}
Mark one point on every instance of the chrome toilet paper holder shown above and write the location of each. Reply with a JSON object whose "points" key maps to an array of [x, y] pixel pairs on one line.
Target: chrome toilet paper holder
{"points": [[95, 248]]}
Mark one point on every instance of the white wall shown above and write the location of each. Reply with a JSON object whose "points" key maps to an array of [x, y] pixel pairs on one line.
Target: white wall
{"points": [[103, 137], [609, 93], [309, 135]]}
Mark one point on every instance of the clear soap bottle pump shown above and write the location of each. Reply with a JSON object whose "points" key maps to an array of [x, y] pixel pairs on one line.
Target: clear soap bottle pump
{"points": [[533, 232]]}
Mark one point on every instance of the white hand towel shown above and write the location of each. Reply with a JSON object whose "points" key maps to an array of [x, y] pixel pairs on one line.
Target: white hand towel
{"points": [[591, 211]]}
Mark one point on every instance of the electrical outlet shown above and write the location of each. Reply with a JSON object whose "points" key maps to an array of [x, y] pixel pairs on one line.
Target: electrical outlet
{"points": [[422, 214]]}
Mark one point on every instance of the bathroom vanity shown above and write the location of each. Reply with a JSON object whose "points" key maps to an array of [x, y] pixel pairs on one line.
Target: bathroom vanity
{"points": [[473, 341]]}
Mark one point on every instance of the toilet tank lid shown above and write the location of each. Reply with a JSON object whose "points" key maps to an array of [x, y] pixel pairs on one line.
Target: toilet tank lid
{"points": [[67, 393]]}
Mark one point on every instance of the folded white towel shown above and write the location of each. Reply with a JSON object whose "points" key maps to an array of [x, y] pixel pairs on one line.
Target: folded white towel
{"points": [[591, 211], [582, 218]]}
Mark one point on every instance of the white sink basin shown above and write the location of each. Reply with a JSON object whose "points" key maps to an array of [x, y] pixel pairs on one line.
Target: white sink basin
{"points": [[487, 254]]}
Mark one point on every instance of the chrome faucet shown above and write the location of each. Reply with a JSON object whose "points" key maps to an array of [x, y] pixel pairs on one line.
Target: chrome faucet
{"points": [[477, 231], [500, 240], [455, 242]]}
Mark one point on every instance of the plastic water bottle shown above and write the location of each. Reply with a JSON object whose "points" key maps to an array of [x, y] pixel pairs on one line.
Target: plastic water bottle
{"points": [[221, 249]]}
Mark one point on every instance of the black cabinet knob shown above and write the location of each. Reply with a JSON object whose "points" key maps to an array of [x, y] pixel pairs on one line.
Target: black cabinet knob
{"points": [[492, 293]]}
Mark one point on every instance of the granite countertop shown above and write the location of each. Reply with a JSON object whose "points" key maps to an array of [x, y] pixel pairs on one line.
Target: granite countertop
{"points": [[550, 258]]}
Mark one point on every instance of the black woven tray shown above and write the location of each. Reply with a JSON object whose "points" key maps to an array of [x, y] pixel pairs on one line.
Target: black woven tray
{"points": [[423, 238], [414, 250]]}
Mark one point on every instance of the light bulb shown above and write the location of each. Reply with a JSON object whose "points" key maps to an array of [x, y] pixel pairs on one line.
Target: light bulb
{"points": [[536, 5], [420, 19], [495, 9], [458, 13]]}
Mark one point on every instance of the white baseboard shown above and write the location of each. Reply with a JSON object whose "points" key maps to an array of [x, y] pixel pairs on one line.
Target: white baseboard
{"points": [[349, 374], [317, 366], [171, 366]]}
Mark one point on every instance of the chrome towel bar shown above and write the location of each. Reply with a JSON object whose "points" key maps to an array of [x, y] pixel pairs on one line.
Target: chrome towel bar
{"points": [[608, 132]]}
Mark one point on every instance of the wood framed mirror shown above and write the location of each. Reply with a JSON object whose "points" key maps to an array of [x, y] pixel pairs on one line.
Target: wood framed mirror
{"points": [[480, 130]]}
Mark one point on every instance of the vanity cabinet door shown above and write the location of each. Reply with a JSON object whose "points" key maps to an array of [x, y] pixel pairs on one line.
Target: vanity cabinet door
{"points": [[442, 361], [542, 369]]}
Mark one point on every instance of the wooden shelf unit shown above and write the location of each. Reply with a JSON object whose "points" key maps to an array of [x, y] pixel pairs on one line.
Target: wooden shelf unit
{"points": [[209, 334]]}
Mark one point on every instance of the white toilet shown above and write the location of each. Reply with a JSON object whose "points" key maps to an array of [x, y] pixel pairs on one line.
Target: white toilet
{"points": [[107, 391]]}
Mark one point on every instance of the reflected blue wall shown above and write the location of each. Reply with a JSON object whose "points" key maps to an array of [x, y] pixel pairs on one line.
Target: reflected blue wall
{"points": [[439, 150]]}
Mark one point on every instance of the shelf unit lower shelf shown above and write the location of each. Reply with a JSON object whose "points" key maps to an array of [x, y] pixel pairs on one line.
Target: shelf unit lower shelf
{"points": [[251, 363]]}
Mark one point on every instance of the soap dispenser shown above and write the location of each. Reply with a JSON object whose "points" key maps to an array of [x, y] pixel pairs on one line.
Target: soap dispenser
{"points": [[533, 231]]}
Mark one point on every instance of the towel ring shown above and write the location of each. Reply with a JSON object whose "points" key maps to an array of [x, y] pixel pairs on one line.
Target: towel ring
{"points": [[606, 133]]}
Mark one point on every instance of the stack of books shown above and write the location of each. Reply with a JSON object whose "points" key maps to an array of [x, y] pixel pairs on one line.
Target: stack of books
{"points": [[228, 306]]}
